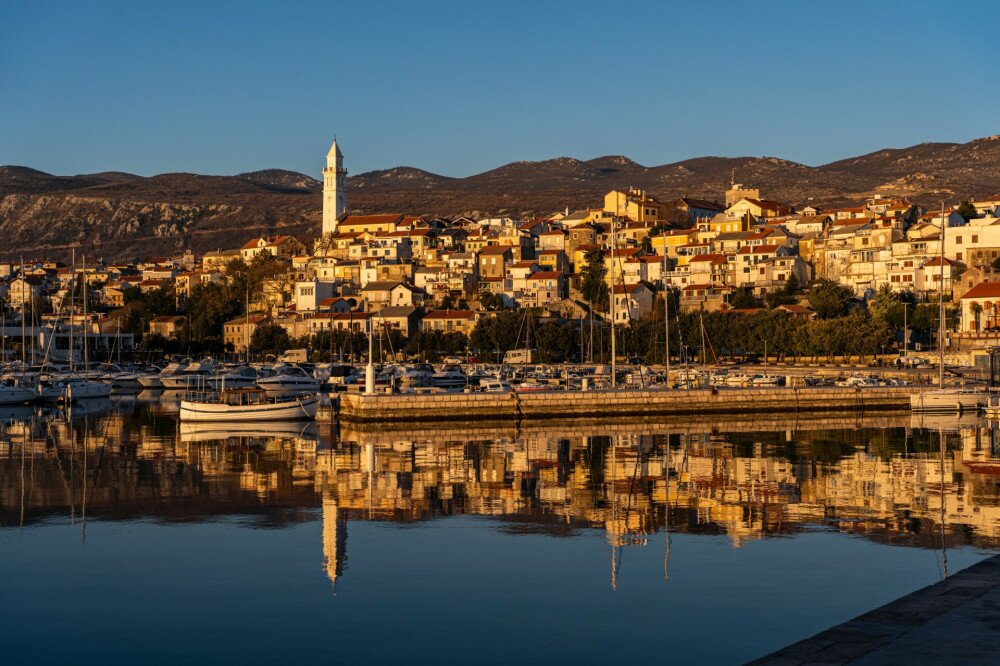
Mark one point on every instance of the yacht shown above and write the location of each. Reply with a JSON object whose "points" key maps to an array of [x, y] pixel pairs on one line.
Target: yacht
{"points": [[421, 374], [288, 378], [949, 400], [155, 380], [193, 376], [242, 376], [450, 377], [71, 389], [14, 393]]}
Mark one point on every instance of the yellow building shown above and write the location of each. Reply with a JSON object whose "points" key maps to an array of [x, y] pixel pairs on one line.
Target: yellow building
{"points": [[634, 204]]}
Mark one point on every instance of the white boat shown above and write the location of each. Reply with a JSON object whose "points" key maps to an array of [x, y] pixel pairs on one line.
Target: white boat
{"points": [[249, 405], [948, 400], [13, 393], [288, 378], [70, 389], [763, 381], [240, 377], [450, 377], [491, 385], [155, 380], [193, 376]]}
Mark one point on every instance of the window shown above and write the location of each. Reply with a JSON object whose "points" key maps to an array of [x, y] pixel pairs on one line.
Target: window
{"points": [[975, 239], [958, 240]]}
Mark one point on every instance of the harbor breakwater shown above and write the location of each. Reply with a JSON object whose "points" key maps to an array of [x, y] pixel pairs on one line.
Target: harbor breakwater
{"points": [[389, 408]]}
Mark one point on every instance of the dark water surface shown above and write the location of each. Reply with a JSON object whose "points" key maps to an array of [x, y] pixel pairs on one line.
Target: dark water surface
{"points": [[126, 537]]}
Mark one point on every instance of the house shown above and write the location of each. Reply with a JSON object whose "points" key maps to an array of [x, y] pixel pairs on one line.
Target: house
{"points": [[634, 204], [354, 322], [238, 332], [279, 246], [797, 310], [309, 294], [166, 325], [981, 307], [449, 321], [544, 287], [708, 297], [403, 318], [631, 302], [494, 259], [380, 294]]}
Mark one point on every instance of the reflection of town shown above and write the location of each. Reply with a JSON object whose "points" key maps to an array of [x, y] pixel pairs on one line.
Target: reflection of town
{"points": [[879, 478]]}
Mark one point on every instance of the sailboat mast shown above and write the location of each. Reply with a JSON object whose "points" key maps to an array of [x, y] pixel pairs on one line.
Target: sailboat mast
{"points": [[72, 294], [666, 311], [24, 365], [614, 378], [86, 323], [941, 308]]}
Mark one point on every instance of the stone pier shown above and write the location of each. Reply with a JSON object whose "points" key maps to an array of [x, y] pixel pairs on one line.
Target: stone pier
{"points": [[513, 406]]}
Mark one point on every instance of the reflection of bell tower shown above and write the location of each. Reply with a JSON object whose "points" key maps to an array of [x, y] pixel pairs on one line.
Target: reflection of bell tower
{"points": [[334, 540]]}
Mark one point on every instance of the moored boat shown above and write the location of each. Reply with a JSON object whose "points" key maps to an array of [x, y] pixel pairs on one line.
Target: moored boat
{"points": [[948, 400], [248, 405]]}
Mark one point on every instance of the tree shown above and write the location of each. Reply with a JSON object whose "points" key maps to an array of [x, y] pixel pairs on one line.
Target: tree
{"points": [[829, 299], [269, 338], [995, 264], [967, 211], [743, 298], [647, 244], [883, 302], [490, 301], [977, 311], [594, 288]]}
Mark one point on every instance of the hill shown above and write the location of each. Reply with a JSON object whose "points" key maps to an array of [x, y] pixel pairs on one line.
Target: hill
{"points": [[120, 214]]}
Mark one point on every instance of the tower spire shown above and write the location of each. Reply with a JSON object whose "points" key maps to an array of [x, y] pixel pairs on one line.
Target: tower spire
{"points": [[334, 189]]}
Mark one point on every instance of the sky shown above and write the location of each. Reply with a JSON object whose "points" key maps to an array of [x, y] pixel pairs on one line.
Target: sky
{"points": [[461, 87]]}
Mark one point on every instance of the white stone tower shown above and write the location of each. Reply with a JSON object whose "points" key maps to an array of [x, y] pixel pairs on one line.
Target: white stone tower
{"points": [[334, 189]]}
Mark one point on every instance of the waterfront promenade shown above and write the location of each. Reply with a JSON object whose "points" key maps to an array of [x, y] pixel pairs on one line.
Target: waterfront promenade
{"points": [[956, 621]]}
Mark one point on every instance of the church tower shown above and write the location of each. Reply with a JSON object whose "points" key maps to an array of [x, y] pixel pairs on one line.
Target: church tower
{"points": [[334, 189]]}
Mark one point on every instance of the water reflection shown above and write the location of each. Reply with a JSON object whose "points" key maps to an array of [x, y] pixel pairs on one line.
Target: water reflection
{"points": [[883, 477]]}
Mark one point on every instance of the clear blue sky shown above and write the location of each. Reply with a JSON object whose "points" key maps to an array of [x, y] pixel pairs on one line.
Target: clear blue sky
{"points": [[460, 87]]}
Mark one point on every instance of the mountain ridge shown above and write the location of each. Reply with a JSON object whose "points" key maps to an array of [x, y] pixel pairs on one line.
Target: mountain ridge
{"points": [[126, 215]]}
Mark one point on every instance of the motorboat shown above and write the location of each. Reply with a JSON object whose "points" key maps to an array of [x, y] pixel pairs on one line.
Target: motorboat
{"points": [[765, 381], [949, 400], [71, 389], [335, 374], [493, 385], [248, 405], [421, 374], [857, 381], [118, 377], [194, 376], [242, 376], [14, 393], [155, 380], [287, 378], [450, 377]]}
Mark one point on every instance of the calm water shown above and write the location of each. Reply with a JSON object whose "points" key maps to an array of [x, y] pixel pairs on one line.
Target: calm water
{"points": [[126, 537]]}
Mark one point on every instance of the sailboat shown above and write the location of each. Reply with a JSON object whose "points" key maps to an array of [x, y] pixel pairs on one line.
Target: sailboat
{"points": [[74, 386], [941, 399]]}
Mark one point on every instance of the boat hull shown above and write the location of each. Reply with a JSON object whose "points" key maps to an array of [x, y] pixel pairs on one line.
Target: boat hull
{"points": [[947, 401], [289, 410]]}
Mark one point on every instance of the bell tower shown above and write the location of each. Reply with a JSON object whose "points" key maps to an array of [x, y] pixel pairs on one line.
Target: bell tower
{"points": [[334, 189]]}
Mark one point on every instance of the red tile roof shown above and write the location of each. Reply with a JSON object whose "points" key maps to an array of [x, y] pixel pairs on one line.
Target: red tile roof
{"points": [[984, 290]]}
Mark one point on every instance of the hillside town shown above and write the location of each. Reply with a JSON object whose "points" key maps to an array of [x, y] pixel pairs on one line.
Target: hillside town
{"points": [[416, 275]]}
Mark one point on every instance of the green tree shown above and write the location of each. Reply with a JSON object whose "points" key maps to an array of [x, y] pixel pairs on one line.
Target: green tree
{"points": [[594, 288], [490, 301], [269, 338], [829, 299], [967, 211], [743, 298], [995, 264]]}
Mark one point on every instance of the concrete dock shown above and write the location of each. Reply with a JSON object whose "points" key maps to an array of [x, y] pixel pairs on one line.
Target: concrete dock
{"points": [[956, 621], [388, 408]]}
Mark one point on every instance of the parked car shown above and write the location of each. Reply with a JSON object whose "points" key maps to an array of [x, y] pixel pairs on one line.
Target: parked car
{"points": [[453, 360]]}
